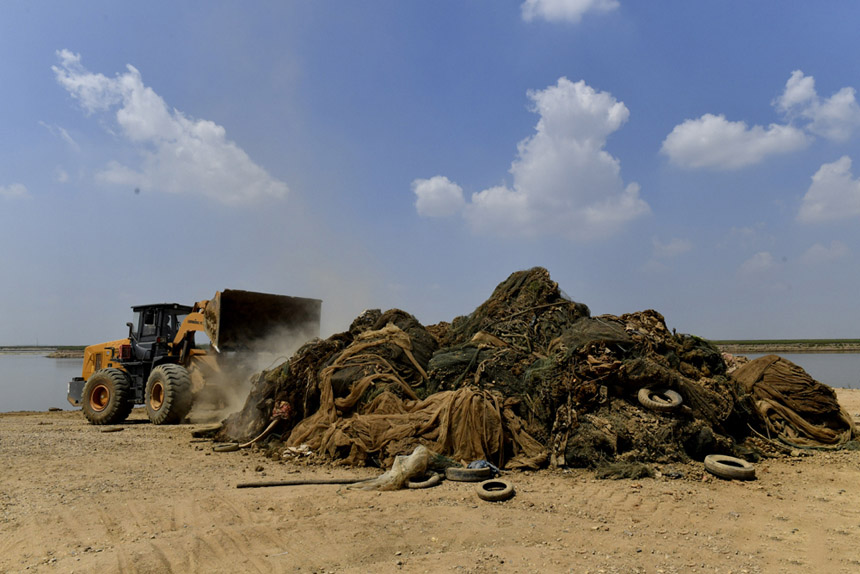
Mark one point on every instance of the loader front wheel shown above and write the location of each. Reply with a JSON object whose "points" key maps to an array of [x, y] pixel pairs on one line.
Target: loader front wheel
{"points": [[168, 394], [107, 397]]}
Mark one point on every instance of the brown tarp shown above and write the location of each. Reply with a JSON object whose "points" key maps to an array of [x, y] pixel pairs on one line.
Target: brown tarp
{"points": [[792, 406], [467, 424]]}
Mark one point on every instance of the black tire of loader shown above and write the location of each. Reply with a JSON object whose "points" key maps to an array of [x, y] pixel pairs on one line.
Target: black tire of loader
{"points": [[168, 394], [107, 397]]}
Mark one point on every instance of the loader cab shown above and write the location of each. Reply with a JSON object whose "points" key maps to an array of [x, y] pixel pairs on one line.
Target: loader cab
{"points": [[153, 327]]}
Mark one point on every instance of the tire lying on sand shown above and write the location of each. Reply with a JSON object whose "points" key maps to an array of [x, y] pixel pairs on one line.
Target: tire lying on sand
{"points": [[729, 467], [660, 400], [468, 474], [495, 490], [430, 479], [107, 397], [168, 394]]}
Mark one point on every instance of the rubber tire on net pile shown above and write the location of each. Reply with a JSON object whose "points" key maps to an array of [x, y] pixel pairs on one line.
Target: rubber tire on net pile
{"points": [[430, 479], [107, 397], [458, 474], [168, 394], [729, 467], [667, 400], [495, 490]]}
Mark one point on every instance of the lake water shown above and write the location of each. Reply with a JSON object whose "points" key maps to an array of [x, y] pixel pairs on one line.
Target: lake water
{"points": [[840, 370], [36, 383]]}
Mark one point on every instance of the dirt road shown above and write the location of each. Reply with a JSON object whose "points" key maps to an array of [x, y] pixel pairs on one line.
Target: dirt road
{"points": [[153, 499]]}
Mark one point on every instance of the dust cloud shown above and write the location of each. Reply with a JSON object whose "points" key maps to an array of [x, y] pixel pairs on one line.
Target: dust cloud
{"points": [[228, 386]]}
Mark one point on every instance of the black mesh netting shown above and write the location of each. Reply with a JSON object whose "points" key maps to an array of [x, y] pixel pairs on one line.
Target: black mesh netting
{"points": [[529, 378]]}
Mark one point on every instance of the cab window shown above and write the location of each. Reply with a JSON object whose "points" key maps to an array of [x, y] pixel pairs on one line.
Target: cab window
{"points": [[175, 323], [148, 324], [136, 323]]}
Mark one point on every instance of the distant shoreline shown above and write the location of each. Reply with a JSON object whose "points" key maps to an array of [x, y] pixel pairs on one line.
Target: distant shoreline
{"points": [[52, 352], [735, 347], [788, 346]]}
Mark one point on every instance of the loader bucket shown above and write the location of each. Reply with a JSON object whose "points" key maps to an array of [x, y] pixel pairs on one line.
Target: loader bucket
{"points": [[259, 322]]}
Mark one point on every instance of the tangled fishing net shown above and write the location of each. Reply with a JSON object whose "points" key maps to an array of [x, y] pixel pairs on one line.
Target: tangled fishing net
{"points": [[792, 407], [528, 379]]}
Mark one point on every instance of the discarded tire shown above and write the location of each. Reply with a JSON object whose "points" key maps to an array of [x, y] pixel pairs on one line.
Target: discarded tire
{"points": [[468, 474], [433, 479], [206, 431], [168, 394], [226, 447], [107, 397], [729, 467], [661, 400], [495, 490]]}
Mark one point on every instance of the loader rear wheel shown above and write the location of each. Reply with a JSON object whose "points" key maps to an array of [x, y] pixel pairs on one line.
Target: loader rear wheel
{"points": [[107, 397], [168, 394]]}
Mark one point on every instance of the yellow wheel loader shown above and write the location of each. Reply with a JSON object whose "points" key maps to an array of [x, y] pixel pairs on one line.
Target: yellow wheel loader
{"points": [[160, 366]]}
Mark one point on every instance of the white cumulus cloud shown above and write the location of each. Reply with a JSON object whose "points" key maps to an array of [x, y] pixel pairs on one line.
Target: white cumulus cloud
{"points": [[715, 142], [437, 196], [799, 92], [834, 118], [178, 154], [13, 191], [819, 253], [712, 141], [564, 10], [564, 182], [833, 195], [761, 262]]}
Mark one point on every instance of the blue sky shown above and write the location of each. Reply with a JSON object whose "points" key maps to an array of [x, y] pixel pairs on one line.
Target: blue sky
{"points": [[690, 157]]}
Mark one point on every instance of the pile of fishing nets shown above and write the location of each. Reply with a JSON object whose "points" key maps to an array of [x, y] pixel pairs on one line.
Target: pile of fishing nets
{"points": [[528, 379], [792, 407]]}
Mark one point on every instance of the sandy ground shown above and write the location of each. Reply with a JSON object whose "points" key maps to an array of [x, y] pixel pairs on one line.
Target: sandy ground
{"points": [[154, 499]]}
